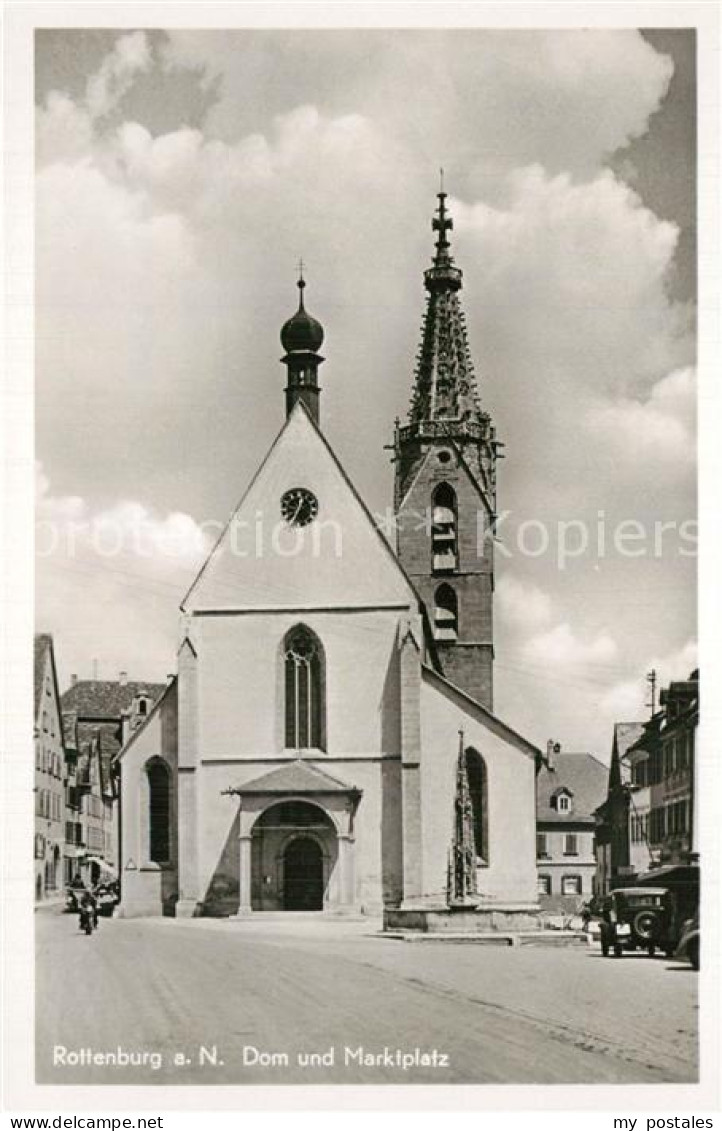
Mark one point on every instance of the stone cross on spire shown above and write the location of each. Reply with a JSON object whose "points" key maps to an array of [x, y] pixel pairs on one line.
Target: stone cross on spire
{"points": [[442, 224]]}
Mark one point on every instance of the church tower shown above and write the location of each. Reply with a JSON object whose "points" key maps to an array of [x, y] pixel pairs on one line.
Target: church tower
{"points": [[302, 338], [445, 485]]}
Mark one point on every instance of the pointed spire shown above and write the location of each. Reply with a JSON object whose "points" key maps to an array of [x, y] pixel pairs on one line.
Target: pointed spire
{"points": [[444, 384], [462, 855]]}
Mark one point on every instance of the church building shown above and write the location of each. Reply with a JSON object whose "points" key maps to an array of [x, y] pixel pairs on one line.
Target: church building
{"points": [[306, 756]]}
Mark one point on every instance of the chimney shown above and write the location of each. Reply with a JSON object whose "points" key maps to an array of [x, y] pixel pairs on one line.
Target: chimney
{"points": [[73, 679], [123, 678], [553, 748]]}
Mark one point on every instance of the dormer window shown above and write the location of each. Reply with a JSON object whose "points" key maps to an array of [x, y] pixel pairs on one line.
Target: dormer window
{"points": [[562, 800], [140, 706]]}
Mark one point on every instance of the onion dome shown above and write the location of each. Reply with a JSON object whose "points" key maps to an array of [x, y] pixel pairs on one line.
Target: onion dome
{"points": [[302, 332]]}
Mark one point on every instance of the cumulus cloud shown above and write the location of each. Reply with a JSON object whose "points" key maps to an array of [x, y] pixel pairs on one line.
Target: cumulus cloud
{"points": [[575, 275], [166, 262], [130, 56], [562, 647], [109, 581], [660, 430], [212, 182], [522, 604], [63, 131], [567, 98]]}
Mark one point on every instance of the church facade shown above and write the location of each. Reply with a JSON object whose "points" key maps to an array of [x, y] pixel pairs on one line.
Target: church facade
{"points": [[306, 755]]}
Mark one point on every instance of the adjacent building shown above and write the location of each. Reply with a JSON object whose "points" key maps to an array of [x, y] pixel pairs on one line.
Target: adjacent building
{"points": [[98, 717], [49, 840], [612, 842], [648, 819], [569, 788], [663, 794]]}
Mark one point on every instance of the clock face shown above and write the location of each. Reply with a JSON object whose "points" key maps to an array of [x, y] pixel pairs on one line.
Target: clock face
{"points": [[299, 506]]}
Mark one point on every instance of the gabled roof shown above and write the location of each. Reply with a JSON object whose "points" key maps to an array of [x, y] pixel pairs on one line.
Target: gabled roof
{"points": [[300, 409], [583, 776], [624, 737], [297, 777], [43, 643], [107, 698], [626, 734], [44, 651], [105, 739], [488, 717]]}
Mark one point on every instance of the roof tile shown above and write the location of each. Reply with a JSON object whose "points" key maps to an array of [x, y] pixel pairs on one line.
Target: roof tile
{"points": [[586, 779], [107, 698]]}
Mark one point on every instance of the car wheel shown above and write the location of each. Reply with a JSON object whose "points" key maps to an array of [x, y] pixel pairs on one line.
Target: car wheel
{"points": [[693, 953], [645, 925]]}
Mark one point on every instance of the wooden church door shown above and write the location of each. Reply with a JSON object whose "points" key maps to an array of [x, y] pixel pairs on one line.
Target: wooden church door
{"points": [[303, 876]]}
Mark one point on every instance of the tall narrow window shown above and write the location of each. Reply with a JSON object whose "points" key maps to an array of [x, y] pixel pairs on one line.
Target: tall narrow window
{"points": [[446, 613], [444, 550], [477, 779], [159, 812], [304, 689]]}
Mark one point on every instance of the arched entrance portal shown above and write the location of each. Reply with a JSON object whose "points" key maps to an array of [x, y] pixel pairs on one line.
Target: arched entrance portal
{"points": [[303, 875], [294, 851]]}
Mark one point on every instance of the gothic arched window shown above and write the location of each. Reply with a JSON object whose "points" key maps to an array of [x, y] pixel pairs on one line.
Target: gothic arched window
{"points": [[305, 707], [444, 551], [477, 778], [158, 812], [446, 613]]}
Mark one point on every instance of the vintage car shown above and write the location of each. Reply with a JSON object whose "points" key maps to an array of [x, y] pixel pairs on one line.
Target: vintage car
{"points": [[688, 946], [639, 918]]}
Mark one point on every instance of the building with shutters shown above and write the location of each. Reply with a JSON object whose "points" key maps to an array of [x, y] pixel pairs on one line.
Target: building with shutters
{"points": [[48, 782], [99, 715], [570, 787], [648, 818]]}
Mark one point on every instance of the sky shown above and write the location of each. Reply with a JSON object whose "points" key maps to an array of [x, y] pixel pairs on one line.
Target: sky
{"points": [[180, 177]]}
